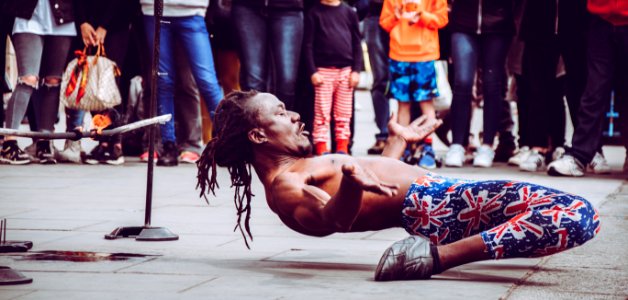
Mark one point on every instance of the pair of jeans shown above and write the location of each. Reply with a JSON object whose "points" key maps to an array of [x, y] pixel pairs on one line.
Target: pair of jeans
{"points": [[468, 50], [38, 55], [378, 44], [269, 35], [192, 34], [607, 57]]}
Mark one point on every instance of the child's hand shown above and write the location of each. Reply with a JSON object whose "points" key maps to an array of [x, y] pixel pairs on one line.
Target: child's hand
{"points": [[398, 11], [415, 18], [355, 79], [317, 79]]}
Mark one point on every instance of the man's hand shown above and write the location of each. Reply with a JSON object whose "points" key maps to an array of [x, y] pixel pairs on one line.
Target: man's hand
{"points": [[355, 79], [89, 35], [101, 33], [368, 181], [418, 130], [317, 79]]}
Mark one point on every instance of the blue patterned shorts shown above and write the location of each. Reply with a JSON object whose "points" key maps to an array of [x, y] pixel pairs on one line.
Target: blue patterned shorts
{"points": [[514, 219], [412, 81]]}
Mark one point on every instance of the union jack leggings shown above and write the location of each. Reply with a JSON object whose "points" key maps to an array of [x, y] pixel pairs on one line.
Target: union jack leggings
{"points": [[515, 219]]}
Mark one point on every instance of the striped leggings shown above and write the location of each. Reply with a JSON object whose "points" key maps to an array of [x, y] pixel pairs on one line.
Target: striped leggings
{"points": [[336, 92]]}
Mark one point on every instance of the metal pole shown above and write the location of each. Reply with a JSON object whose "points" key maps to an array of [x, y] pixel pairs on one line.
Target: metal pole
{"points": [[159, 4]]}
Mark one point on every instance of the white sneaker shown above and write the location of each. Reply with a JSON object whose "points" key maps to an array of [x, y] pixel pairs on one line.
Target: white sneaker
{"points": [[558, 153], [484, 157], [455, 156], [71, 152], [534, 162], [519, 157], [566, 166], [599, 165]]}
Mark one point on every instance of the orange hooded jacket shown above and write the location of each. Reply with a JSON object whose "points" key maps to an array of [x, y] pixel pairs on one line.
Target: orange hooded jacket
{"points": [[414, 42]]}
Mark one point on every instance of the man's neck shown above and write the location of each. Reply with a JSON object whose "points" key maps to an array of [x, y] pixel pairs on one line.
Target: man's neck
{"points": [[268, 165], [331, 2]]}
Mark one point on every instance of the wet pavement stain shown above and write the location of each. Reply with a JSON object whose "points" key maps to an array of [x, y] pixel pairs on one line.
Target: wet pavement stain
{"points": [[81, 256]]}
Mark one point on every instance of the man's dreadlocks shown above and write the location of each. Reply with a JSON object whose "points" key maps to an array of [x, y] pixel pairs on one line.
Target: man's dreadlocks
{"points": [[230, 147]]}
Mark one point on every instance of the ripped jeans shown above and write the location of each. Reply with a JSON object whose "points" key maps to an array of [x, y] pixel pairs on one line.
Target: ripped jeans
{"points": [[44, 57]]}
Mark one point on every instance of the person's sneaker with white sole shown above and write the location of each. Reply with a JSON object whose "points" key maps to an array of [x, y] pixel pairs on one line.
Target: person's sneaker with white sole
{"points": [[558, 153], [599, 165], [534, 162], [455, 156], [520, 156], [566, 166], [484, 157]]}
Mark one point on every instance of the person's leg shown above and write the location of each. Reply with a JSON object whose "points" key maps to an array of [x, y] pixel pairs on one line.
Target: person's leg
{"points": [[465, 57], [601, 60], [252, 32], [192, 34], [478, 220], [323, 100], [343, 110], [187, 108], [494, 49], [52, 70], [377, 41], [165, 88], [573, 50], [285, 36]]}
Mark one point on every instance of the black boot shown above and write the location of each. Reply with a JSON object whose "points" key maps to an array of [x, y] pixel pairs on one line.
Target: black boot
{"points": [[169, 155], [45, 153]]}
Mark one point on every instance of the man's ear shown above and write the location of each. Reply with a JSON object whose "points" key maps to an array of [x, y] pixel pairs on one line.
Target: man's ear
{"points": [[257, 136]]}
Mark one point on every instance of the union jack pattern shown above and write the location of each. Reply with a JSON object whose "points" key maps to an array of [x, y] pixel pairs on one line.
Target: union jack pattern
{"points": [[514, 219]]}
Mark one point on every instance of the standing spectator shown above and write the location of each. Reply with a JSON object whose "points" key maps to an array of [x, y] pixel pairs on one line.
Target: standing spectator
{"points": [[413, 28], [184, 23], [378, 45], [607, 57], [333, 55], [106, 23], [42, 34], [481, 32], [270, 30]]}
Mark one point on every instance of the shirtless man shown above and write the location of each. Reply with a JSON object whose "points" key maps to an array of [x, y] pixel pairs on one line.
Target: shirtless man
{"points": [[451, 221]]}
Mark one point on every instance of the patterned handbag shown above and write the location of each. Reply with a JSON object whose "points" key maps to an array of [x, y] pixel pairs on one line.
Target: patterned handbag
{"points": [[89, 82]]}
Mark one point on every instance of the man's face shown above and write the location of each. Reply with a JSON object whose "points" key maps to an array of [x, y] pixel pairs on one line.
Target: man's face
{"points": [[280, 130]]}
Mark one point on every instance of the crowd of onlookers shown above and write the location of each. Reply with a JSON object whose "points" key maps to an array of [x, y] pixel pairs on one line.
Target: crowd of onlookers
{"points": [[550, 56]]}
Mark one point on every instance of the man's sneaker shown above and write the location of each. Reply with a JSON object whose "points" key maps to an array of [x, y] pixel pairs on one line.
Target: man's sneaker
{"points": [[71, 152], [505, 149], [599, 165], [566, 166], [558, 153], [115, 157], [484, 157], [410, 258], [144, 156], [12, 154], [534, 162], [189, 157], [31, 149], [428, 157], [45, 153], [455, 156], [520, 156], [378, 148], [97, 155], [169, 156]]}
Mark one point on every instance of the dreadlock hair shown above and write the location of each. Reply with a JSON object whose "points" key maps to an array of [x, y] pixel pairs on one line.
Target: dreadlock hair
{"points": [[231, 148]]}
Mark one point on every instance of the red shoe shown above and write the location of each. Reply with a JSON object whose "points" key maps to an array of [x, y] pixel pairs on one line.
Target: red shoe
{"points": [[189, 157], [144, 156]]}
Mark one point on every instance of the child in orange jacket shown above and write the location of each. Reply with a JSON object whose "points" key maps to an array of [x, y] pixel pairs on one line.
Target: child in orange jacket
{"points": [[413, 26]]}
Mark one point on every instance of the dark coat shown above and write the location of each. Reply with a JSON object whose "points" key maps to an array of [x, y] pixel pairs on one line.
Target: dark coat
{"points": [[62, 10], [496, 16]]}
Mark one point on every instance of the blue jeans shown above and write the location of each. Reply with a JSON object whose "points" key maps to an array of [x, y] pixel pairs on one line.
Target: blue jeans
{"points": [[467, 50], [377, 41], [607, 57], [192, 34], [278, 33]]}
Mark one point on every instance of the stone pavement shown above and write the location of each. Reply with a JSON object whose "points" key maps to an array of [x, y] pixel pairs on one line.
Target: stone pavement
{"points": [[71, 208]]}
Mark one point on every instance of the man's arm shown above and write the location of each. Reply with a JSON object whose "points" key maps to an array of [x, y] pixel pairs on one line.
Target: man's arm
{"points": [[399, 136], [318, 212]]}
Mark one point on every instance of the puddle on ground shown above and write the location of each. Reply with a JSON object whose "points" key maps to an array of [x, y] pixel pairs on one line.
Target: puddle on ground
{"points": [[80, 256]]}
